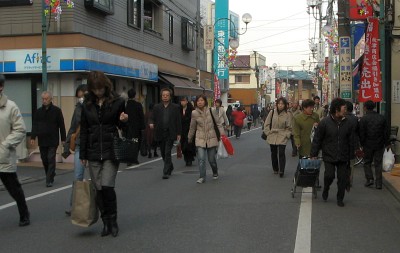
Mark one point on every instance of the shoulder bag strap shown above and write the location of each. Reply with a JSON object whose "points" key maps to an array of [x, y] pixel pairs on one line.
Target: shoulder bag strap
{"points": [[270, 124], [215, 126]]}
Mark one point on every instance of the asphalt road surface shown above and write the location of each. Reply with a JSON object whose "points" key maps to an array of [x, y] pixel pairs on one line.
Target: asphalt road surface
{"points": [[248, 209]]}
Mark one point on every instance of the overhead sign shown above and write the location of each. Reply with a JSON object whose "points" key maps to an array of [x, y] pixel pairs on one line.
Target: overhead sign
{"points": [[345, 73]]}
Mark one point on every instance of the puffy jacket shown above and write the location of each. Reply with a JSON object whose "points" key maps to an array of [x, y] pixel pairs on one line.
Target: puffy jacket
{"points": [[374, 131], [335, 139], [98, 128], [238, 118], [203, 126], [12, 132], [281, 127]]}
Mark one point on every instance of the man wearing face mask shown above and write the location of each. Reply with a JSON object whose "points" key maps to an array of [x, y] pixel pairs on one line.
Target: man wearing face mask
{"points": [[79, 169], [12, 132], [48, 125]]}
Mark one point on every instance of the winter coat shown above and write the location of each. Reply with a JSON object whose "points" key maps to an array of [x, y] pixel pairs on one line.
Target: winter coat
{"points": [[202, 124], [75, 123], [320, 111], [335, 139], [135, 125], [48, 125], [12, 132], [174, 123], [374, 131], [281, 128], [238, 118], [99, 127], [223, 119], [356, 128], [149, 133], [302, 125]]}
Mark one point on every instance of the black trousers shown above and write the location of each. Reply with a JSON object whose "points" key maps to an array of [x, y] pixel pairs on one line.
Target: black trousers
{"points": [[10, 181], [166, 150], [342, 177], [294, 148], [376, 156], [278, 157], [237, 130], [48, 155]]}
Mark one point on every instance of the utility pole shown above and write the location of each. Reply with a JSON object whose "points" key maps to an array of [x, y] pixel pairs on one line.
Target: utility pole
{"points": [[344, 31], [198, 42], [44, 48], [256, 74]]}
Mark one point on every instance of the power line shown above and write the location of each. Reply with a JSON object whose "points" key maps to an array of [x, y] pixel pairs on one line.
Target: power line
{"points": [[275, 34]]}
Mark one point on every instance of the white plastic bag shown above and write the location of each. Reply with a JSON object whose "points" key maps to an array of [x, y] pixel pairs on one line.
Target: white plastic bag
{"points": [[221, 154], [313, 129], [388, 160]]}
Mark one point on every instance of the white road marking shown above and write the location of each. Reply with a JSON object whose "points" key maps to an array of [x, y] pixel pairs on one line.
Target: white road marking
{"points": [[303, 235], [69, 186], [37, 196]]}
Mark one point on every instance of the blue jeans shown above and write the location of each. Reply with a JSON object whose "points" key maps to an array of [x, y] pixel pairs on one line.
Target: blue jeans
{"points": [[201, 155], [79, 169]]}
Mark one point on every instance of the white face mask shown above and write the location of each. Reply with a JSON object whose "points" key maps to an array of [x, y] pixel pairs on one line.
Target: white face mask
{"points": [[80, 100]]}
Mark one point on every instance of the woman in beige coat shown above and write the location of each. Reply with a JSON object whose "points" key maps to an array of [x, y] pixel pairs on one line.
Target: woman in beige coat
{"points": [[278, 128], [206, 140]]}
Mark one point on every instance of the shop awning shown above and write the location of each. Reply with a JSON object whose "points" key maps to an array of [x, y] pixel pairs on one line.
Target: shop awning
{"points": [[182, 86]]}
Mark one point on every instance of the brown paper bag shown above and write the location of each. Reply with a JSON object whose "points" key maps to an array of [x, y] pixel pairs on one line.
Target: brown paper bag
{"points": [[84, 211]]}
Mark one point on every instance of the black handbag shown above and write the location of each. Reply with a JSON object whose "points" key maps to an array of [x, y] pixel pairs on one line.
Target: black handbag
{"points": [[125, 149], [263, 135]]}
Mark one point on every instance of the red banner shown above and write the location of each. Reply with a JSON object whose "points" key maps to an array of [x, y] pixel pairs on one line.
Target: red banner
{"points": [[217, 90], [371, 82], [360, 9]]}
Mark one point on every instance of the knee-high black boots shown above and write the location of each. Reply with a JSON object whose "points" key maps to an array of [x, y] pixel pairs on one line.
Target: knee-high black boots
{"points": [[100, 205], [109, 214]]}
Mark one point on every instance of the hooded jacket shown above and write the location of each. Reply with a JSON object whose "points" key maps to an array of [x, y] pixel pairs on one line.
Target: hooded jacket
{"points": [[12, 132]]}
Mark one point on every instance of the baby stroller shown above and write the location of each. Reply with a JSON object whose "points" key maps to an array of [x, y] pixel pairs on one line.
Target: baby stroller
{"points": [[307, 175]]}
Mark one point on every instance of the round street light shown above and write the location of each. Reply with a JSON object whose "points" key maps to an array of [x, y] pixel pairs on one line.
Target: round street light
{"points": [[274, 65], [234, 43], [246, 18]]}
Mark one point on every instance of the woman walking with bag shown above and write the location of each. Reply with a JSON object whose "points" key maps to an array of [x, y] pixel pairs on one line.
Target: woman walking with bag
{"points": [[207, 128], [73, 138], [278, 128], [102, 114], [238, 121]]}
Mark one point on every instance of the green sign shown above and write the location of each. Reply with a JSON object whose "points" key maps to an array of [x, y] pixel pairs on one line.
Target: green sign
{"points": [[345, 94]]}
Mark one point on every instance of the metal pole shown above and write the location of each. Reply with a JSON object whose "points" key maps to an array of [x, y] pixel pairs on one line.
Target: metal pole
{"points": [[44, 46], [198, 37], [256, 74]]}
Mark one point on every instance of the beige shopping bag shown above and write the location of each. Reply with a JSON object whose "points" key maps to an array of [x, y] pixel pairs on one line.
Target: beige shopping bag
{"points": [[84, 211]]}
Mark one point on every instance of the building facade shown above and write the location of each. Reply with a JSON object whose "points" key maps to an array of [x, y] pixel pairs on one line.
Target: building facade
{"points": [[140, 44]]}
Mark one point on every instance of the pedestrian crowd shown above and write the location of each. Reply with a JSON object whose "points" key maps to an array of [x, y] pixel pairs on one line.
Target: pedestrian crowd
{"points": [[195, 129]]}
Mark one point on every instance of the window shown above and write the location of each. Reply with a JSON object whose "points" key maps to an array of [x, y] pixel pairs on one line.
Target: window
{"points": [[15, 2], [134, 13], [171, 28], [187, 34], [103, 6], [242, 79], [153, 16]]}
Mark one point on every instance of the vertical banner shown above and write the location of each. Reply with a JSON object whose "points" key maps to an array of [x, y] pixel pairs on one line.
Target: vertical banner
{"points": [[345, 71], [217, 90], [360, 10], [371, 82], [222, 38]]}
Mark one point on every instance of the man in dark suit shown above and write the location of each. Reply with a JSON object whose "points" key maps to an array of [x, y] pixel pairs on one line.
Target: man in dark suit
{"points": [[48, 124], [166, 121], [133, 129]]}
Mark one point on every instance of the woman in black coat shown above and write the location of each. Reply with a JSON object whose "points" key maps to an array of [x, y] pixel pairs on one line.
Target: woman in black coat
{"points": [[188, 149], [102, 114]]}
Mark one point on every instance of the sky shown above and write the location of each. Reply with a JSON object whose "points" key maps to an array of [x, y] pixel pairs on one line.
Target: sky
{"points": [[280, 31]]}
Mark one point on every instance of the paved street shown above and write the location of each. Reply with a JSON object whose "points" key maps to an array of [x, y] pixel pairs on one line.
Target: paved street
{"points": [[248, 209]]}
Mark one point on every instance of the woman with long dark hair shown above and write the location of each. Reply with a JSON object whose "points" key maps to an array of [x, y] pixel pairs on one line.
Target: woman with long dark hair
{"points": [[206, 140], [188, 149], [102, 115], [278, 128]]}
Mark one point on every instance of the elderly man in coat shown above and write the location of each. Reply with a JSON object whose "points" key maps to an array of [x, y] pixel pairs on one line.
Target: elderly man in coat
{"points": [[12, 132]]}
